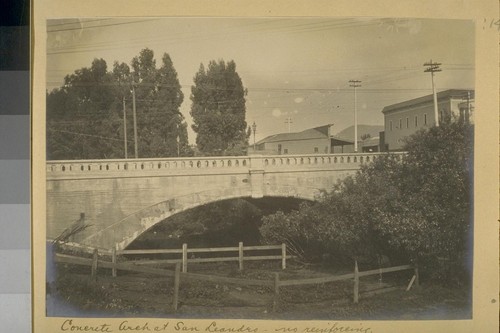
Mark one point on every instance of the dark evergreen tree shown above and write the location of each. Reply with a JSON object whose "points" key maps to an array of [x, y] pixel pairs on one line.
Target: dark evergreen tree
{"points": [[81, 115], [218, 110], [85, 117]]}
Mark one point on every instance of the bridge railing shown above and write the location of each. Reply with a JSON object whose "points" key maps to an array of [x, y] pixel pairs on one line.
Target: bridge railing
{"points": [[125, 165], [196, 164]]}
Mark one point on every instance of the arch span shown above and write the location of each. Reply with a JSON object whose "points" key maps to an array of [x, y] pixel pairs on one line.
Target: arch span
{"points": [[121, 198], [123, 232]]}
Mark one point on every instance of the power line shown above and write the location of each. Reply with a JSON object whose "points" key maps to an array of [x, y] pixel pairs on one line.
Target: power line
{"points": [[79, 21], [256, 89], [101, 26], [186, 36], [85, 134]]}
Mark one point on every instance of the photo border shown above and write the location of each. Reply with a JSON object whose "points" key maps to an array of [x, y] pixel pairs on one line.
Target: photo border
{"points": [[485, 280]]}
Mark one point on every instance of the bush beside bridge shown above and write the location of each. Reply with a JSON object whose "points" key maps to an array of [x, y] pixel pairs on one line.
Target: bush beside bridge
{"points": [[418, 208]]}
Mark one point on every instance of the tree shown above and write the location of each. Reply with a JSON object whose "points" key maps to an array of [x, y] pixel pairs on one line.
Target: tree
{"points": [[85, 116], [81, 115], [435, 186], [171, 137], [161, 127], [218, 110], [414, 208]]}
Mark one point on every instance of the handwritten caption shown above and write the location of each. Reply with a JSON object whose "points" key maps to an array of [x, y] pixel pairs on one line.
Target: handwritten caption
{"points": [[73, 325], [491, 24]]}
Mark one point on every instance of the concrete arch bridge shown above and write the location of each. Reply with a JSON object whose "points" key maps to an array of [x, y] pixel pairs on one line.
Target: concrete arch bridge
{"points": [[121, 199]]}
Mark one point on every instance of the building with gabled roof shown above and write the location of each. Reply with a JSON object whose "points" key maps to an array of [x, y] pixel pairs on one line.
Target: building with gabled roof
{"points": [[317, 140]]}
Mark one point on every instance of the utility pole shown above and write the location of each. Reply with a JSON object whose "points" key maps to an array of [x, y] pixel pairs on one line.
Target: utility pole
{"points": [[431, 68], [178, 146], [125, 128], [355, 84], [254, 128], [467, 115], [135, 120], [288, 121]]}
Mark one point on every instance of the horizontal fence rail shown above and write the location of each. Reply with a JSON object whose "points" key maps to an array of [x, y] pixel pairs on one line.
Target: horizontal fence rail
{"points": [[185, 251], [385, 270], [320, 280], [275, 283], [67, 259]]}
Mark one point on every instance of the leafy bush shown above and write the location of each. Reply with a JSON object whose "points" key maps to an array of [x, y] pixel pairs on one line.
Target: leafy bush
{"points": [[414, 208]]}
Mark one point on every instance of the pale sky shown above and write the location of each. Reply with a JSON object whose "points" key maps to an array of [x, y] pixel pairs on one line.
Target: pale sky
{"points": [[292, 67]]}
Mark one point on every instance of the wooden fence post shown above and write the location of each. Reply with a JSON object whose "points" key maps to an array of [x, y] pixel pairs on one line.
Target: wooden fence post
{"points": [[113, 260], [93, 272], [283, 256], [177, 281], [356, 282], [184, 258], [276, 291], [417, 282], [240, 255], [411, 282]]}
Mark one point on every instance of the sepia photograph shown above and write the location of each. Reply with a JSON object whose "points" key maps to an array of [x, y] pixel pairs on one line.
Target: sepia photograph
{"points": [[318, 169]]}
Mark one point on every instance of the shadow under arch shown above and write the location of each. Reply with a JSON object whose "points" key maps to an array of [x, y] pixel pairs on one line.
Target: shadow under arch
{"points": [[122, 233]]}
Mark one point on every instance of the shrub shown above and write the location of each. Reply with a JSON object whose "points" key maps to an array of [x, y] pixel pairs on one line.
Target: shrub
{"points": [[417, 208]]}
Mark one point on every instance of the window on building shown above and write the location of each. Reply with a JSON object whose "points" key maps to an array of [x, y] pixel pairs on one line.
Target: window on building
{"points": [[390, 125], [425, 118], [316, 149], [407, 122], [416, 121], [400, 124], [285, 151], [279, 149]]}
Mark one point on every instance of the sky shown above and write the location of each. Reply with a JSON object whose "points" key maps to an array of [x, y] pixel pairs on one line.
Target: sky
{"points": [[296, 69]]}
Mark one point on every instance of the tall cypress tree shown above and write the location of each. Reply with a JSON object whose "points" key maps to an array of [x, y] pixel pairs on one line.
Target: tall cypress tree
{"points": [[218, 110]]}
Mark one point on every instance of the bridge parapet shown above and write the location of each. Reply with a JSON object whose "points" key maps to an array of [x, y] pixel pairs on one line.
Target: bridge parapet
{"points": [[203, 165]]}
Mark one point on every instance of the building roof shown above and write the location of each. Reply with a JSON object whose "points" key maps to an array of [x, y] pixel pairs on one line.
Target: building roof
{"points": [[339, 141], [446, 94], [374, 141], [320, 132]]}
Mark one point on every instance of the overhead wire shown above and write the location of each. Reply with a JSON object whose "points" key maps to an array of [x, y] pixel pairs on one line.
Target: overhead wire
{"points": [[87, 135], [101, 26], [187, 36]]}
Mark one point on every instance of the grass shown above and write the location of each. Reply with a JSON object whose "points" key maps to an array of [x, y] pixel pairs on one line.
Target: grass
{"points": [[131, 295]]}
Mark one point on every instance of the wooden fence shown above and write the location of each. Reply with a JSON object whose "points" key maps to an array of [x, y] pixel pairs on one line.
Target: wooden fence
{"points": [[186, 258], [276, 283]]}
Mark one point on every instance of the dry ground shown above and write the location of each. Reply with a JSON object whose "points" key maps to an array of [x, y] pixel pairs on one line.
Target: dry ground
{"points": [[140, 295]]}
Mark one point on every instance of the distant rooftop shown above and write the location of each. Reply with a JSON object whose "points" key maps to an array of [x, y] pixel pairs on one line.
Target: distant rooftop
{"points": [[313, 133], [320, 132], [451, 93]]}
